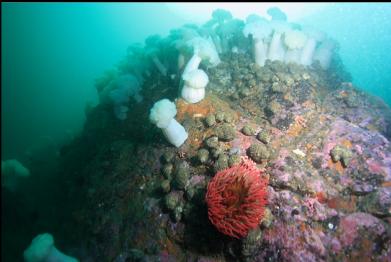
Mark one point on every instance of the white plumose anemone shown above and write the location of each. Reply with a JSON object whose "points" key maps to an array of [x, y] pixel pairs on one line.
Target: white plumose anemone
{"points": [[260, 31], [42, 249], [12, 171], [193, 90], [204, 49], [308, 51], [294, 41], [119, 91], [162, 115], [324, 53], [276, 48]]}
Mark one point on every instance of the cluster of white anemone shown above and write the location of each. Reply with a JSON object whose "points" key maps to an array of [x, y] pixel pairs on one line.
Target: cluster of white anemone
{"points": [[195, 79], [274, 40], [278, 40], [193, 91]]}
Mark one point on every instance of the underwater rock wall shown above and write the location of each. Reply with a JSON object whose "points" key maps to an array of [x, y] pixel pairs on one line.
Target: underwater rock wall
{"points": [[322, 145]]}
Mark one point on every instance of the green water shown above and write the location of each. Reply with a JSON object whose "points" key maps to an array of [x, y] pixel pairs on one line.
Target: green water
{"points": [[50, 57], [51, 54]]}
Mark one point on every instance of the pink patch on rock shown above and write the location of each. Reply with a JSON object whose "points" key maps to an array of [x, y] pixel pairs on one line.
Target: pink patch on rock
{"points": [[280, 161], [195, 180], [374, 166], [314, 241], [317, 185], [242, 142], [358, 149], [276, 132], [353, 222], [384, 195], [280, 176], [335, 245], [299, 174]]}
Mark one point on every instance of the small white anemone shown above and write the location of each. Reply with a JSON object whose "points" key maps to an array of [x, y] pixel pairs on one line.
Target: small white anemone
{"points": [[324, 53], [196, 78], [119, 91], [12, 171], [276, 48], [203, 50], [193, 90], [294, 41], [280, 26], [260, 31], [314, 36], [162, 115], [42, 249]]}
